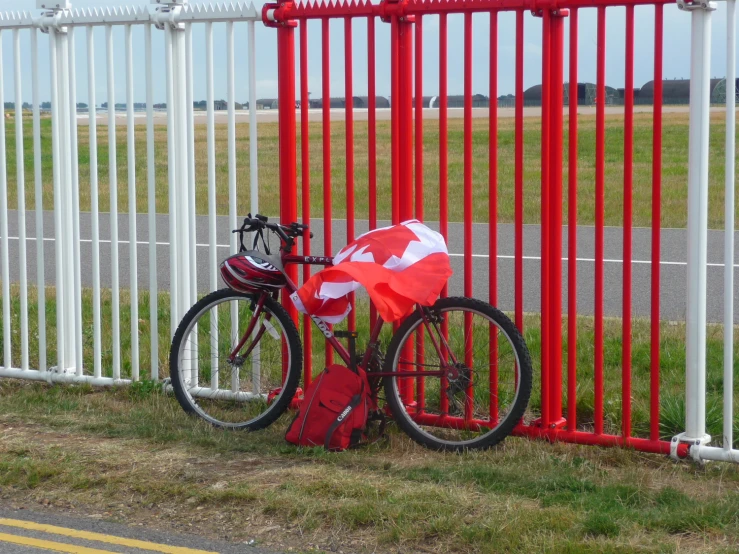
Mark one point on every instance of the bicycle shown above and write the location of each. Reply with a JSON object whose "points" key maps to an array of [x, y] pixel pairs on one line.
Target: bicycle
{"points": [[456, 375]]}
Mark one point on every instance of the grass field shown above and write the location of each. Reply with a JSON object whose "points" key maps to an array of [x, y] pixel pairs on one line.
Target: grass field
{"points": [[672, 359], [675, 172], [130, 455]]}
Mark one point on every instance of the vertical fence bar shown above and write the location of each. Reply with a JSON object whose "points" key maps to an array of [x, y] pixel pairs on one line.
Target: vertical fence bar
{"points": [[152, 211], [656, 225], [132, 234], [21, 184], [572, 230], [67, 114], [75, 200], [695, 347], [56, 170], [420, 358], [192, 238], [232, 173], [94, 215], [600, 152], [443, 134], [349, 143], [419, 116], [555, 180], [253, 149], [493, 213], [628, 224], [518, 177], [546, 228], [467, 178], [212, 236], [4, 261], [403, 156], [444, 169], [113, 176], [729, 225], [326, 121], [288, 156], [182, 200], [372, 139], [468, 209], [305, 189], [39, 197], [394, 127], [174, 309]]}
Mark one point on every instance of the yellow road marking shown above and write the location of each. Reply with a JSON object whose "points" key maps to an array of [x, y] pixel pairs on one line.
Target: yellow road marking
{"points": [[50, 545], [100, 537]]}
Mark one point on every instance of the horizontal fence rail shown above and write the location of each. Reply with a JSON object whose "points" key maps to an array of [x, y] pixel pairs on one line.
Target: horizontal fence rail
{"points": [[432, 169]]}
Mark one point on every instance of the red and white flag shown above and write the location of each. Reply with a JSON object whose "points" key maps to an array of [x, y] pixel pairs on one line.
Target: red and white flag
{"points": [[400, 266]]}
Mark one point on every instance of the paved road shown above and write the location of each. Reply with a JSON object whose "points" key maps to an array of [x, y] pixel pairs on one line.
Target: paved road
{"points": [[27, 532], [673, 266]]}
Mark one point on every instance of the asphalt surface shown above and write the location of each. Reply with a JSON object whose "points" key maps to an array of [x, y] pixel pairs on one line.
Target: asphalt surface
{"points": [[17, 538], [673, 261]]}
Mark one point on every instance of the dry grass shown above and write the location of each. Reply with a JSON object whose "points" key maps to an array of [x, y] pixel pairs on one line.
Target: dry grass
{"points": [[130, 455], [674, 184]]}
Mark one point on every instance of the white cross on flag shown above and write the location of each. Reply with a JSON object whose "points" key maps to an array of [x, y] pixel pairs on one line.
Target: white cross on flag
{"points": [[400, 266]]}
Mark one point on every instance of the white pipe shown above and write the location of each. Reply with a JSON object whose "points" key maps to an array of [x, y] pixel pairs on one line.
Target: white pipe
{"points": [[222, 394], [94, 215], [256, 360], [40, 277], [189, 197], [69, 349], [115, 285], [21, 182], [718, 454], [253, 152], [192, 239], [56, 162], [152, 216], [52, 377], [75, 199], [132, 234], [232, 178], [172, 180], [212, 239], [183, 272], [4, 261], [729, 224], [700, 63]]}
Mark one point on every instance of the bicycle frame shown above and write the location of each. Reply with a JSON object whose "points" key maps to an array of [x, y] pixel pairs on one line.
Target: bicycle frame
{"points": [[291, 259]]}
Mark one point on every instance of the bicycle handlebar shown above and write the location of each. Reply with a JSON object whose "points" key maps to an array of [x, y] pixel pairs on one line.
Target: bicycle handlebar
{"points": [[286, 232]]}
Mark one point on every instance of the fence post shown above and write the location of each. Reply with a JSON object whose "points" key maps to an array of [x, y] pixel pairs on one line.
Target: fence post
{"points": [[279, 17], [695, 370], [165, 18], [61, 122]]}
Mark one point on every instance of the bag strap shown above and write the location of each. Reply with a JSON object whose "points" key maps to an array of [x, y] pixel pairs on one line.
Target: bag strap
{"points": [[356, 399]]}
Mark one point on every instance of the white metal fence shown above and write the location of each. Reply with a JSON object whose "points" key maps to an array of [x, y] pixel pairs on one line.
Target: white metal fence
{"points": [[176, 20]]}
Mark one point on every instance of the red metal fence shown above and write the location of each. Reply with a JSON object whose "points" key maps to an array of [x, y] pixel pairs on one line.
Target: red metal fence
{"points": [[406, 21]]}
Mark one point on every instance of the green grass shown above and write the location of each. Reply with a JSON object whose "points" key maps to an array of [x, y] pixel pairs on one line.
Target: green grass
{"points": [[672, 359], [130, 455], [674, 184]]}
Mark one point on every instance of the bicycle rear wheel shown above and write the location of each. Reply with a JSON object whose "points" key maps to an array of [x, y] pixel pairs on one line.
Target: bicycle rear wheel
{"points": [[483, 375], [250, 390]]}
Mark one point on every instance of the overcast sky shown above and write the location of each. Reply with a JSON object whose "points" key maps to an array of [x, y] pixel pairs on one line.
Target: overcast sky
{"points": [[676, 62]]}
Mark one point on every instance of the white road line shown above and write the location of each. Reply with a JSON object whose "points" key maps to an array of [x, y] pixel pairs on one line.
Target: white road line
{"points": [[452, 255]]}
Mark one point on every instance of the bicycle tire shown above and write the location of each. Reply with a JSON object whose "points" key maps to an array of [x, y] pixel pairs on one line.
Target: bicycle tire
{"points": [[405, 420], [293, 350]]}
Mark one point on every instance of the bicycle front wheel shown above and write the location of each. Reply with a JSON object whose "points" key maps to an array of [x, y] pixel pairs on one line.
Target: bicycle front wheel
{"points": [[229, 379], [480, 379]]}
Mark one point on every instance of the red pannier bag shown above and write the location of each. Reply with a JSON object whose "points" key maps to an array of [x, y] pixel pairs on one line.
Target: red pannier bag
{"points": [[334, 410]]}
